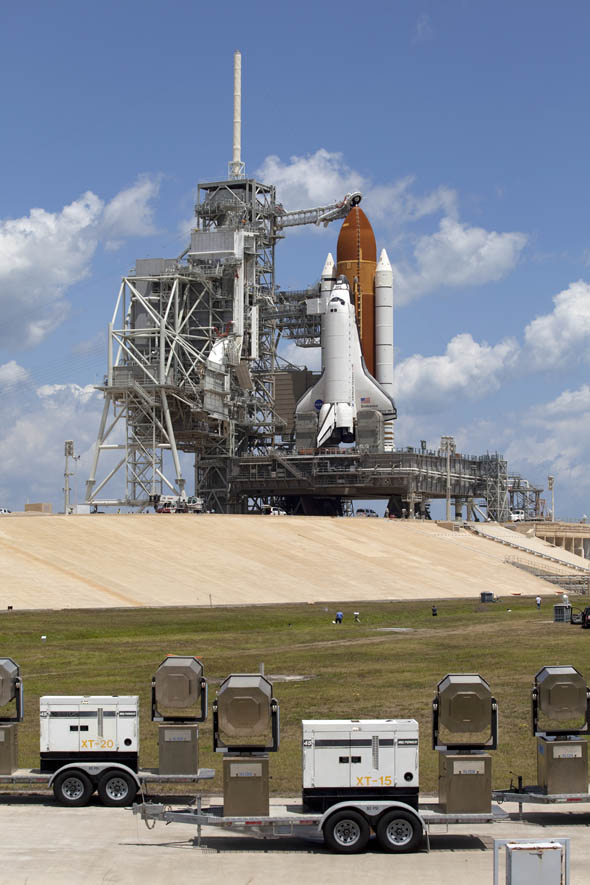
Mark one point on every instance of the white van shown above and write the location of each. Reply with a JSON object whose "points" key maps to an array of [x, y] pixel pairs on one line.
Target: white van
{"points": [[517, 516]]}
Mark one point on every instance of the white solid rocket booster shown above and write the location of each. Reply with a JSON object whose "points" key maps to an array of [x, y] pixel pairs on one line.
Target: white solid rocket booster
{"points": [[384, 336]]}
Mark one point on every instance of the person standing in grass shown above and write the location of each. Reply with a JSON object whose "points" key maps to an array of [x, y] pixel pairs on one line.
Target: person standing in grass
{"points": [[339, 617], [538, 601]]}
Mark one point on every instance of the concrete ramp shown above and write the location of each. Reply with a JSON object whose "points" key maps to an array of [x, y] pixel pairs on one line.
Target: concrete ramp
{"points": [[532, 546], [126, 560]]}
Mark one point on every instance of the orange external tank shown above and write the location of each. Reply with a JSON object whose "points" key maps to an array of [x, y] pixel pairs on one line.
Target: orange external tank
{"points": [[356, 258]]}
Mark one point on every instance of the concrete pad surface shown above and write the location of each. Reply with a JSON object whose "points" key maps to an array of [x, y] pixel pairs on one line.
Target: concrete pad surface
{"points": [[44, 843]]}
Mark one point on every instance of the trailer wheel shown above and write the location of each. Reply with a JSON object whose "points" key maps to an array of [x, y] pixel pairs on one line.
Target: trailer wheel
{"points": [[399, 831], [73, 788], [116, 788], [347, 832]]}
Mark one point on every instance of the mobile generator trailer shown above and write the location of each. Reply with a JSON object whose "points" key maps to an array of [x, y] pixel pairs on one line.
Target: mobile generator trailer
{"points": [[90, 744], [359, 777], [345, 827]]}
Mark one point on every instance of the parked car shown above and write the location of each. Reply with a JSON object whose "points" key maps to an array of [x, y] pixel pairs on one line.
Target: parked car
{"points": [[4, 510], [365, 511]]}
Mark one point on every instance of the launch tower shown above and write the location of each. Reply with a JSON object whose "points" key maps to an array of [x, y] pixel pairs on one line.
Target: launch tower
{"points": [[192, 347]]}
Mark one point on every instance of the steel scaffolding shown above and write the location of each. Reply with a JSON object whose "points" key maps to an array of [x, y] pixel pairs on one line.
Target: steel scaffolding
{"points": [[495, 472], [192, 352], [525, 496]]}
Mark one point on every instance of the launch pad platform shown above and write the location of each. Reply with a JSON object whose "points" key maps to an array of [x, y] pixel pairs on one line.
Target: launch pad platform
{"points": [[316, 482]]}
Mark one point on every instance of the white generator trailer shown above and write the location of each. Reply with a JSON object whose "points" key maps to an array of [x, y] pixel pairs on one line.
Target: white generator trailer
{"points": [[361, 774], [91, 743]]}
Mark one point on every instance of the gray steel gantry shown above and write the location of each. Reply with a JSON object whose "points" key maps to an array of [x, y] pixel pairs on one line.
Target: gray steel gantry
{"points": [[192, 352]]}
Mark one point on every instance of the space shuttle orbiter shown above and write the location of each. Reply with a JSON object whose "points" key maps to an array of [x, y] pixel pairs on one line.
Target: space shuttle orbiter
{"points": [[346, 393]]}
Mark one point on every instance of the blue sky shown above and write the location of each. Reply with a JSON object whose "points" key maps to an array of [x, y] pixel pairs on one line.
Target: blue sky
{"points": [[464, 123]]}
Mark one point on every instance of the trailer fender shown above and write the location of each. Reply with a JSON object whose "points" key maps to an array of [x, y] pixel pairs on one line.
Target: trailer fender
{"points": [[372, 811], [94, 770]]}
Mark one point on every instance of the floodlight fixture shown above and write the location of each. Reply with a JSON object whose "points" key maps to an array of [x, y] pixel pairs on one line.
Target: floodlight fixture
{"points": [[179, 685], [244, 709], [11, 689], [560, 693], [464, 705]]}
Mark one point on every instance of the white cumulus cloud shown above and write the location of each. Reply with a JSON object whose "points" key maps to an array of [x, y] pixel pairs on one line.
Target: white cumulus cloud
{"points": [[44, 253], [56, 395], [130, 213], [316, 179], [457, 255], [11, 374], [40, 256], [557, 338], [551, 438], [33, 428], [395, 205], [454, 255], [467, 369]]}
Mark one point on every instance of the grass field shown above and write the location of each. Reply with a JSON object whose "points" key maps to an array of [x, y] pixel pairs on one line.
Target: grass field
{"points": [[356, 670]]}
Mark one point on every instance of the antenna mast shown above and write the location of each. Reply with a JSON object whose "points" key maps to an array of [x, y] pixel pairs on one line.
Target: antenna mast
{"points": [[236, 167]]}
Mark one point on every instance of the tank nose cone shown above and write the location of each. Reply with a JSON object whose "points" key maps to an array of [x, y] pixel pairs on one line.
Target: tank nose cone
{"points": [[356, 241]]}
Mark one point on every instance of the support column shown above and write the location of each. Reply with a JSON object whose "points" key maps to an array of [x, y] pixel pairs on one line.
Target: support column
{"points": [[172, 441], [91, 481]]}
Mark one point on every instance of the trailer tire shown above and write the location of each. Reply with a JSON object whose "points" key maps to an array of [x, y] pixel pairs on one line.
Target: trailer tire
{"points": [[399, 831], [73, 788], [347, 832], [116, 788]]}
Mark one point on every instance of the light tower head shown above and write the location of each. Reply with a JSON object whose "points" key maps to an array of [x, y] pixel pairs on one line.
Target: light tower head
{"points": [[245, 715], [177, 688], [464, 706], [560, 694]]}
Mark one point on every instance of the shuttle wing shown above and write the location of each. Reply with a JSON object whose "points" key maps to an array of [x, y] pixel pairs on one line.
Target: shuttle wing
{"points": [[309, 398], [370, 395]]}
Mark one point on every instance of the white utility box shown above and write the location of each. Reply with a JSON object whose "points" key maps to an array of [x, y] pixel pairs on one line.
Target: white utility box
{"points": [[93, 729], [539, 863], [370, 759]]}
